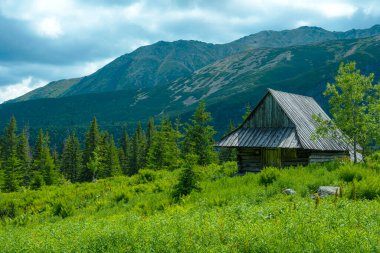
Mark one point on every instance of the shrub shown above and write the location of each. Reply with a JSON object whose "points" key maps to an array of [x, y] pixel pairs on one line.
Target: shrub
{"points": [[145, 176], [369, 188], [62, 209], [349, 173], [268, 176], [8, 209], [121, 197], [373, 161], [230, 169], [188, 180]]}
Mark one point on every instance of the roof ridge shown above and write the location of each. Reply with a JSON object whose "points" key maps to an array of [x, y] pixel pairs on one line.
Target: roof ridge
{"points": [[289, 93]]}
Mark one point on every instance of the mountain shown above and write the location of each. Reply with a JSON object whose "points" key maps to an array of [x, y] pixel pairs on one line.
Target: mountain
{"points": [[301, 36], [147, 66], [164, 62], [227, 86], [54, 89]]}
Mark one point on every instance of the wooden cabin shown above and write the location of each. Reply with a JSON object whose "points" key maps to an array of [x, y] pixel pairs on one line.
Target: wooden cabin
{"points": [[278, 132]]}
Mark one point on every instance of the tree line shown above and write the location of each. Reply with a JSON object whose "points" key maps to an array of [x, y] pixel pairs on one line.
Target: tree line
{"points": [[164, 146]]}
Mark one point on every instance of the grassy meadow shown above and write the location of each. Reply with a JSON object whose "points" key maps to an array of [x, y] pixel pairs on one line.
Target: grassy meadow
{"points": [[230, 213]]}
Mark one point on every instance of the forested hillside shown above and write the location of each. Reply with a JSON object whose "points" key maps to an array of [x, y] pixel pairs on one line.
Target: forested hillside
{"points": [[227, 86], [100, 155]]}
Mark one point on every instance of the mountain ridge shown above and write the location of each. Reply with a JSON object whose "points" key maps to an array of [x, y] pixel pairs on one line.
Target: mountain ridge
{"points": [[164, 62]]}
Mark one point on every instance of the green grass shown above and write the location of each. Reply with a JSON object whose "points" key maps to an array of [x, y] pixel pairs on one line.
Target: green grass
{"points": [[230, 213]]}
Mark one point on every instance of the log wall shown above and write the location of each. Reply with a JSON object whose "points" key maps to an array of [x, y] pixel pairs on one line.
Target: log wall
{"points": [[254, 160]]}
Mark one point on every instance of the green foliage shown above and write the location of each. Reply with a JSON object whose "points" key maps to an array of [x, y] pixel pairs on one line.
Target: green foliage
{"points": [[62, 209], [112, 162], [188, 180], [354, 108], [164, 152], [373, 161], [230, 214], [8, 209], [198, 139], [125, 152], [92, 147], [139, 148], [71, 161], [268, 176], [145, 176], [349, 174]]}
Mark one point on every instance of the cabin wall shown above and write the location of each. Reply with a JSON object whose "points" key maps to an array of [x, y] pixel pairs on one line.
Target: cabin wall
{"points": [[294, 157], [249, 159], [254, 160], [318, 157], [269, 114]]}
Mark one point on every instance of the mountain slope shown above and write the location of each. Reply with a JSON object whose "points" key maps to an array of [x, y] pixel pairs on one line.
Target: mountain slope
{"points": [[164, 62], [227, 86], [301, 36], [53, 89]]}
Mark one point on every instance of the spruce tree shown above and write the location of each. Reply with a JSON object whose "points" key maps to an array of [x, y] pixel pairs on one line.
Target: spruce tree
{"points": [[151, 130], [43, 163], [102, 152], [24, 155], [139, 145], [125, 152], [11, 163], [71, 158], [199, 134], [92, 142], [188, 180], [164, 152], [48, 169], [113, 164]]}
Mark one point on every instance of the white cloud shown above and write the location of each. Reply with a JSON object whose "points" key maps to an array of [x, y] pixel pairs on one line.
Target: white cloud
{"points": [[50, 27], [15, 90], [302, 23], [92, 33]]}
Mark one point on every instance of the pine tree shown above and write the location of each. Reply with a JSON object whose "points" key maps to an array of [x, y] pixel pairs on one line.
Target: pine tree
{"points": [[94, 164], [48, 167], [113, 164], [151, 130], [71, 158], [164, 152], [24, 155], [139, 145], [125, 152], [38, 148], [92, 142], [103, 150], [188, 180], [199, 134], [43, 163], [11, 163]]}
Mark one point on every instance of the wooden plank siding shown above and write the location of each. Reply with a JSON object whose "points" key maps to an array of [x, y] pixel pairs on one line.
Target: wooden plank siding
{"points": [[268, 113], [279, 132], [249, 159], [317, 157], [255, 160]]}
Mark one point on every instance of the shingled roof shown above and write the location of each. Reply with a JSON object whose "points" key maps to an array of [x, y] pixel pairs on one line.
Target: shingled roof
{"points": [[299, 109]]}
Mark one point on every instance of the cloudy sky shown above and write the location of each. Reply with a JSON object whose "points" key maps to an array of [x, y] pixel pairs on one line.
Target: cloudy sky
{"points": [[47, 40]]}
